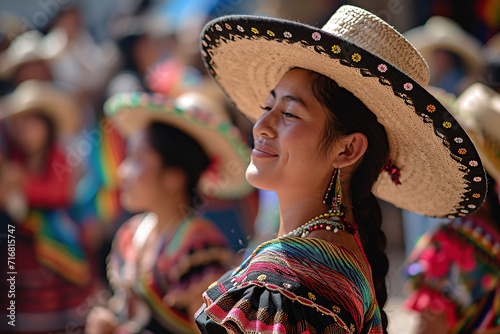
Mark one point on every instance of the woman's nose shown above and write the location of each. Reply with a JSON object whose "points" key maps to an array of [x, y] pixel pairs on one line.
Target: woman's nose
{"points": [[123, 170], [266, 125]]}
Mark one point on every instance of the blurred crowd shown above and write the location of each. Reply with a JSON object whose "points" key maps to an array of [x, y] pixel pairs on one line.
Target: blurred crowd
{"points": [[60, 154]]}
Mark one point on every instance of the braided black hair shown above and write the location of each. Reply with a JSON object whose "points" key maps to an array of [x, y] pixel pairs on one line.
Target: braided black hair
{"points": [[346, 114]]}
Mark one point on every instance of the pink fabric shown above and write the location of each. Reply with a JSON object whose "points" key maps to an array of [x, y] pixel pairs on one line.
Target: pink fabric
{"points": [[427, 299], [238, 316]]}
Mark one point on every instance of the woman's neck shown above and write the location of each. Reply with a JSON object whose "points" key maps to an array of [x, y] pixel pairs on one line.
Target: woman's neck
{"points": [[171, 210], [297, 210]]}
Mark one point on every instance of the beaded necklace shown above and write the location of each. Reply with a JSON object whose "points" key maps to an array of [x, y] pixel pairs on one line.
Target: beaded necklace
{"points": [[328, 221], [331, 222]]}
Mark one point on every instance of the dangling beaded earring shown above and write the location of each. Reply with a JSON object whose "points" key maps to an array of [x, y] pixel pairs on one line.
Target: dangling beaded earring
{"points": [[333, 196]]}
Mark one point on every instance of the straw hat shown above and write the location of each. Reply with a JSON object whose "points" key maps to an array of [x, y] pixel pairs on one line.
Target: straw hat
{"points": [[43, 97], [32, 46], [191, 113], [443, 33], [441, 173], [478, 110]]}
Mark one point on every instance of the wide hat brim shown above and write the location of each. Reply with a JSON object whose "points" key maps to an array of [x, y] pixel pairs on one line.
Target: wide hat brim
{"points": [[45, 98], [221, 141], [441, 173], [31, 46]]}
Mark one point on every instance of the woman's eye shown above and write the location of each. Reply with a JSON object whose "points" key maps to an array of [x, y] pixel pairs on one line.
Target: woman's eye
{"points": [[287, 114], [266, 108]]}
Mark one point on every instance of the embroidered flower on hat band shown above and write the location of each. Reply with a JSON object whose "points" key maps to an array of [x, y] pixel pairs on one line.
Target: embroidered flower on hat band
{"points": [[336, 309], [408, 86], [228, 27], [270, 33], [462, 150], [316, 36], [255, 30], [447, 124], [218, 27], [477, 179], [205, 44], [356, 57], [471, 206], [287, 34], [240, 28], [431, 108], [311, 296], [382, 68], [458, 140], [473, 163], [476, 195], [336, 49]]}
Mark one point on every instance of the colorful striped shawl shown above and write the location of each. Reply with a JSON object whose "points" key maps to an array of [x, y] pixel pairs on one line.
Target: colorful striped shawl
{"points": [[58, 245], [320, 275]]}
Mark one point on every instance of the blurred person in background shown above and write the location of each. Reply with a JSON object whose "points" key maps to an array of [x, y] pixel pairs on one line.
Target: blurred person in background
{"points": [[454, 270], [491, 74], [54, 266], [30, 55], [162, 260], [454, 56], [85, 66]]}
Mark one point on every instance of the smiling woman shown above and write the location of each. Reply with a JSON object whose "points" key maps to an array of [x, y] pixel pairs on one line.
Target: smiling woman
{"points": [[333, 108]]}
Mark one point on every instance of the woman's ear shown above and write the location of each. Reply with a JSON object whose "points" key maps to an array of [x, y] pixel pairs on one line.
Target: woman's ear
{"points": [[350, 149], [174, 179]]}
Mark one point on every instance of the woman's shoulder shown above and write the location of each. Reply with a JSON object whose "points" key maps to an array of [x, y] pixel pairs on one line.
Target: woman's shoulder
{"points": [[328, 271], [332, 256], [304, 278]]}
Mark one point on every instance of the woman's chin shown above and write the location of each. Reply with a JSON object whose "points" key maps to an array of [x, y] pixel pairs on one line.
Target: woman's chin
{"points": [[130, 205], [258, 178]]}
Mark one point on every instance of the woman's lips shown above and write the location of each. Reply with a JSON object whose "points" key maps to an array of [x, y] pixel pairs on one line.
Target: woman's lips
{"points": [[261, 151]]}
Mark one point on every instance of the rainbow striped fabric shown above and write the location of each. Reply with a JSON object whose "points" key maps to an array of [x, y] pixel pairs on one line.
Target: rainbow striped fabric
{"points": [[97, 192], [293, 285], [58, 245], [196, 249]]}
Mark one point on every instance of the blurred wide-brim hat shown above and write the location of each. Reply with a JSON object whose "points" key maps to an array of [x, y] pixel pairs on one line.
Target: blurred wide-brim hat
{"points": [[445, 34], [43, 97], [478, 110], [193, 114], [441, 174], [32, 46]]}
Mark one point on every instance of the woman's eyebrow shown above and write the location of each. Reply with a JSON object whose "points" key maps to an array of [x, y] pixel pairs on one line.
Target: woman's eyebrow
{"points": [[288, 98]]}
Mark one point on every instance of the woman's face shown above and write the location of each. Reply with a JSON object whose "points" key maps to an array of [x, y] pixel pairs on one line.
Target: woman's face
{"points": [[30, 132], [288, 135], [140, 175]]}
